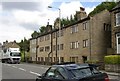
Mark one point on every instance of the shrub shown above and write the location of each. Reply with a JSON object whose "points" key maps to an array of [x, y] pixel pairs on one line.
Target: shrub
{"points": [[112, 59], [92, 61]]}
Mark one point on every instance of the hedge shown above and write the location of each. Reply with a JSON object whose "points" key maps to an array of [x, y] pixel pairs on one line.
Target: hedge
{"points": [[112, 59]]}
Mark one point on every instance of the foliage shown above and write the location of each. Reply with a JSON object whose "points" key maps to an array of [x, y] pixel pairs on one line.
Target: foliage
{"points": [[92, 61], [24, 45], [112, 59], [37, 33], [42, 29], [27, 56], [103, 6], [34, 34], [67, 21]]}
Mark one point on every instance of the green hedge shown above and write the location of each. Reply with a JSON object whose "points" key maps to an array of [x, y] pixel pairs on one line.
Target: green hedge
{"points": [[112, 59]]}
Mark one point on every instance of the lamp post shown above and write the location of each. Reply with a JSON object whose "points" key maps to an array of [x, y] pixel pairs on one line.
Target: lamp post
{"points": [[58, 30]]}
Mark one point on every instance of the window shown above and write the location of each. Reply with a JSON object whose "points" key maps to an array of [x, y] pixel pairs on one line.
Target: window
{"points": [[74, 45], [54, 47], [47, 48], [62, 72], [54, 34], [47, 37], [58, 47], [46, 59], [118, 40], [41, 39], [81, 73], [74, 29], [33, 50], [85, 25], [107, 27], [58, 33], [34, 41], [74, 59], [61, 32], [41, 49], [50, 72], [118, 19], [42, 59], [38, 58], [62, 59], [85, 43], [61, 46]]}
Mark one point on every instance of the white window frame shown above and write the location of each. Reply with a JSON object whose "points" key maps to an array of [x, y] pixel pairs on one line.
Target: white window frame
{"points": [[74, 28], [118, 19], [85, 43]]}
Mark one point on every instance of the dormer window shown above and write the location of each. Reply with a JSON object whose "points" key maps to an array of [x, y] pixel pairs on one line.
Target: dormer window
{"points": [[118, 19]]}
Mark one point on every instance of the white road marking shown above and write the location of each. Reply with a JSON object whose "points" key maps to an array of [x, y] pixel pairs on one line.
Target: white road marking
{"points": [[35, 73], [36, 66], [8, 64], [14, 66], [22, 69]]}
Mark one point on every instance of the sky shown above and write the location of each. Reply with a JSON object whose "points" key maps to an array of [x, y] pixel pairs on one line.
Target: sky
{"points": [[19, 18]]}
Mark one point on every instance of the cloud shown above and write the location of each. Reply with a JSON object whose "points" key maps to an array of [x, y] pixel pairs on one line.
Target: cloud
{"points": [[70, 8], [21, 5], [30, 26], [20, 19], [89, 9], [13, 32]]}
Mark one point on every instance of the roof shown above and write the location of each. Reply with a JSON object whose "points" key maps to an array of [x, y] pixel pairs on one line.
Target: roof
{"points": [[12, 45], [54, 30], [75, 66]]}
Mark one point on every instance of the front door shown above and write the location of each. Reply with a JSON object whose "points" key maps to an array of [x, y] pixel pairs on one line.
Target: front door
{"points": [[118, 43]]}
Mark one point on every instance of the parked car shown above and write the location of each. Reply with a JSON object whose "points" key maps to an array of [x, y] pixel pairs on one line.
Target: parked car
{"points": [[73, 72]]}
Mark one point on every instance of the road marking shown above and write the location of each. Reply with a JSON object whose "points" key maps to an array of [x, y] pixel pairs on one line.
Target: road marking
{"points": [[36, 66], [8, 64], [35, 73], [14, 66], [22, 69]]}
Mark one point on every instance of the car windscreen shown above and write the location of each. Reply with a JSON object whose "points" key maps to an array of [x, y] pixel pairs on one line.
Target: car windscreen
{"points": [[15, 54]]}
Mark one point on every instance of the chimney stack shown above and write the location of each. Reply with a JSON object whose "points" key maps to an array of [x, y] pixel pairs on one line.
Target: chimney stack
{"points": [[81, 14]]}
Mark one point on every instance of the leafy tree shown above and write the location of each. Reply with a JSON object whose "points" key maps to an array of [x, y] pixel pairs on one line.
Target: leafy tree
{"points": [[34, 34], [42, 29], [24, 45]]}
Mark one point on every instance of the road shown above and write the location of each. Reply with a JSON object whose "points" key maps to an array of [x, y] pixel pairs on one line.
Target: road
{"points": [[27, 72]]}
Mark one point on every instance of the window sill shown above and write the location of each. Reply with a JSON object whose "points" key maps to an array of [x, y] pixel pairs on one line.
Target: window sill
{"points": [[117, 26]]}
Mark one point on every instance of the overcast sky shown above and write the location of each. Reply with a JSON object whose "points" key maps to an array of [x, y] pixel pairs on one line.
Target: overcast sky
{"points": [[18, 19]]}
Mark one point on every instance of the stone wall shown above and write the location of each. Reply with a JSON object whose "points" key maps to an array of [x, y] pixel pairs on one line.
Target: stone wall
{"points": [[112, 67]]}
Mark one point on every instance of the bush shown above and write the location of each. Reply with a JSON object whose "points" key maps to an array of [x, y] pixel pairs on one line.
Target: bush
{"points": [[112, 59]]}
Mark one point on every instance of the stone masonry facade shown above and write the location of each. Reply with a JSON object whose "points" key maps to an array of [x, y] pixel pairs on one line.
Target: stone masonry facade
{"points": [[87, 39]]}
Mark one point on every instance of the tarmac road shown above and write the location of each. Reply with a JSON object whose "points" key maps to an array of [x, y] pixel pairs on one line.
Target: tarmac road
{"points": [[28, 72]]}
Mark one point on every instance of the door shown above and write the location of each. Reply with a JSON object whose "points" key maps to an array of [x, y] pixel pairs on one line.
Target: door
{"points": [[118, 43]]}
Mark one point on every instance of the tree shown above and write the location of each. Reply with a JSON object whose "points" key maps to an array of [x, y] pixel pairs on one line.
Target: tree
{"points": [[34, 34], [24, 45], [42, 29]]}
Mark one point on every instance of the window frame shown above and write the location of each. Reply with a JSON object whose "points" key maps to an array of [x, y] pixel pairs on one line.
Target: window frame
{"points": [[117, 16], [85, 43]]}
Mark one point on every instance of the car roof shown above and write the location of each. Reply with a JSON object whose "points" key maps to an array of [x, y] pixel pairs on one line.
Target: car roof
{"points": [[75, 66]]}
